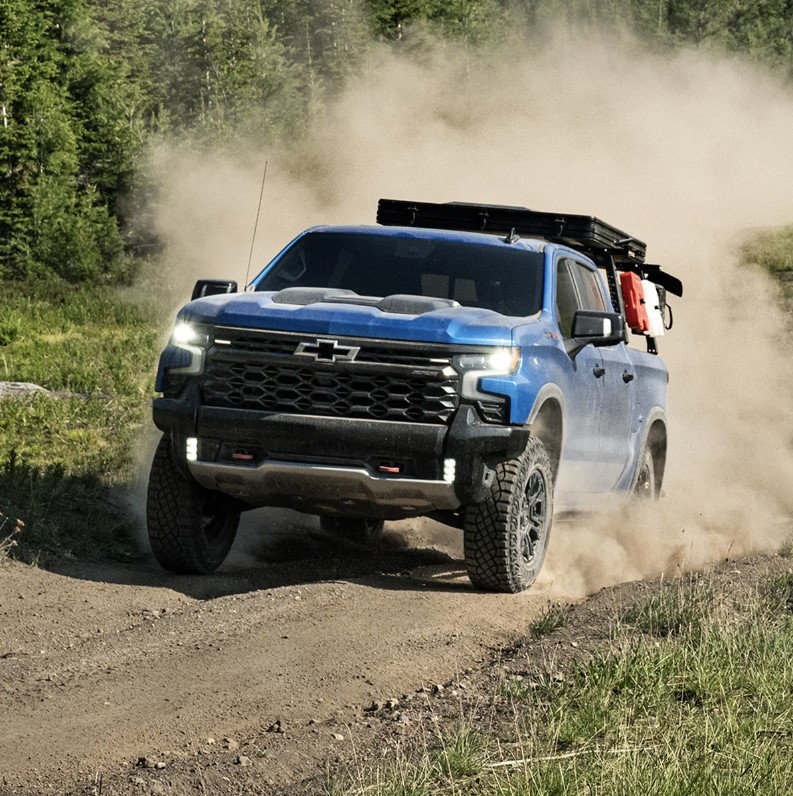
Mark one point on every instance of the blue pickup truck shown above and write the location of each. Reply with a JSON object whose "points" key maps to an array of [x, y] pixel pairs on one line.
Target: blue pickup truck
{"points": [[464, 362]]}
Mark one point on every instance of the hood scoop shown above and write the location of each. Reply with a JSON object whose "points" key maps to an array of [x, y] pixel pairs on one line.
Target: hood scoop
{"points": [[400, 304]]}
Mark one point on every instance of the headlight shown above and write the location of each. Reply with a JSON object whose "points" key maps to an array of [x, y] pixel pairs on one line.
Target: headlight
{"points": [[194, 339], [473, 367], [498, 362], [188, 335]]}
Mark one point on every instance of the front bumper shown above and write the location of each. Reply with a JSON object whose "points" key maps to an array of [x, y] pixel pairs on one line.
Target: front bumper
{"points": [[328, 465], [325, 488]]}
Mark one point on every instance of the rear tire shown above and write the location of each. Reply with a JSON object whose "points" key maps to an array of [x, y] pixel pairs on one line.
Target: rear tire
{"points": [[506, 535], [361, 530], [644, 487], [191, 529]]}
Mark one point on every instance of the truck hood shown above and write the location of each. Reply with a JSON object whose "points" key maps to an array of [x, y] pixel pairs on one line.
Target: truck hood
{"points": [[456, 325]]}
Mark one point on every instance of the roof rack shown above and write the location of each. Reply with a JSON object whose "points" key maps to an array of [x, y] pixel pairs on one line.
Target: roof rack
{"points": [[607, 246]]}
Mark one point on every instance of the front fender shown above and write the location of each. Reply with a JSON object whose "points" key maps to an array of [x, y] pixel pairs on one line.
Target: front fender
{"points": [[628, 481]]}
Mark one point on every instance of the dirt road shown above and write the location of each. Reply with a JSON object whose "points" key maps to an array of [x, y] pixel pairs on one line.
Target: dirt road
{"points": [[103, 663]]}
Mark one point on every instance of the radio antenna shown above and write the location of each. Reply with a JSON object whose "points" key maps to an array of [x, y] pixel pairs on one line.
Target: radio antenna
{"points": [[256, 224]]}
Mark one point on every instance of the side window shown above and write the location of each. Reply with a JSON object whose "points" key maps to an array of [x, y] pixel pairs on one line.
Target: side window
{"points": [[566, 297], [589, 288]]}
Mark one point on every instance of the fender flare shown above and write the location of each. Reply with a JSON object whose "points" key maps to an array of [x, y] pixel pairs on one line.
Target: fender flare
{"points": [[546, 391], [654, 415], [552, 436]]}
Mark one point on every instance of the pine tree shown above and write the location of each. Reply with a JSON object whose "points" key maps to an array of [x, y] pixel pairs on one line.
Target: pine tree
{"points": [[60, 122]]}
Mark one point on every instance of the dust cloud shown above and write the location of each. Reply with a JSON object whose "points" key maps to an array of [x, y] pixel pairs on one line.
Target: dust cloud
{"points": [[686, 151]]}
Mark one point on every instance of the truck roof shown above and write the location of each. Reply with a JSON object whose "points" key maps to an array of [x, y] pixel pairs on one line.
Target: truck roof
{"points": [[424, 233]]}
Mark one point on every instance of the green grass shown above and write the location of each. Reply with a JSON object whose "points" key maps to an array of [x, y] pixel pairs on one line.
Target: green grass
{"points": [[770, 249], [777, 593], [786, 548], [81, 340], [683, 700], [67, 458], [552, 619], [455, 759], [461, 754], [680, 607], [687, 716]]}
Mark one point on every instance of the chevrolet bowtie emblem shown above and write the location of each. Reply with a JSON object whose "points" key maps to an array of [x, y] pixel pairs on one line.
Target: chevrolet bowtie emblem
{"points": [[327, 351]]}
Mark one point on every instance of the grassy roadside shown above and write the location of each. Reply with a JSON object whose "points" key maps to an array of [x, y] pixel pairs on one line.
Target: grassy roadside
{"points": [[771, 250], [67, 456], [690, 694]]}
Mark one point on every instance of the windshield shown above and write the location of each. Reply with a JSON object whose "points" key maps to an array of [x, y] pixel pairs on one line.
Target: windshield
{"points": [[505, 279]]}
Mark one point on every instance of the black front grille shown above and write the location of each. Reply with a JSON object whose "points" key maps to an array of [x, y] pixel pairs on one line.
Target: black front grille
{"points": [[403, 382], [381, 354], [372, 351], [255, 342]]}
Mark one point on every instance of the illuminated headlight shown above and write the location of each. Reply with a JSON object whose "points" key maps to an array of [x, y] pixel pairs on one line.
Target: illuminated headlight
{"points": [[194, 339], [187, 335], [473, 367], [449, 470], [191, 449], [498, 362]]}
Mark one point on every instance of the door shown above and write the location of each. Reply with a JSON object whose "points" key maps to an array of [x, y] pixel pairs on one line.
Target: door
{"points": [[617, 387], [579, 470]]}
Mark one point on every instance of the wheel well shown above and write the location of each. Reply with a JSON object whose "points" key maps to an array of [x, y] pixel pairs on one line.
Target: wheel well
{"points": [[656, 442], [547, 427]]}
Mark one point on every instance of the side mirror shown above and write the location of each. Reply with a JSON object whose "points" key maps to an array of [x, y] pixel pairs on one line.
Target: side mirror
{"points": [[213, 287], [595, 328]]}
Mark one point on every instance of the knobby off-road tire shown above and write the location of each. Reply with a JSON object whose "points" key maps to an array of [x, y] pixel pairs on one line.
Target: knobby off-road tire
{"points": [[355, 529], [506, 535], [644, 487], [191, 529]]}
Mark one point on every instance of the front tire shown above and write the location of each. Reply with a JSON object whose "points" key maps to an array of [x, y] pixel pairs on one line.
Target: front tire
{"points": [[506, 535], [191, 529]]}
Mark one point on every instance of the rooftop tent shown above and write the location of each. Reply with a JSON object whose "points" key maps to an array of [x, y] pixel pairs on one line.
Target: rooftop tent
{"points": [[606, 245]]}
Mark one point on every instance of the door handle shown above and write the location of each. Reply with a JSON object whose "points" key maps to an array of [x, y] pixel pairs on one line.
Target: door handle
{"points": [[598, 372], [626, 377]]}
